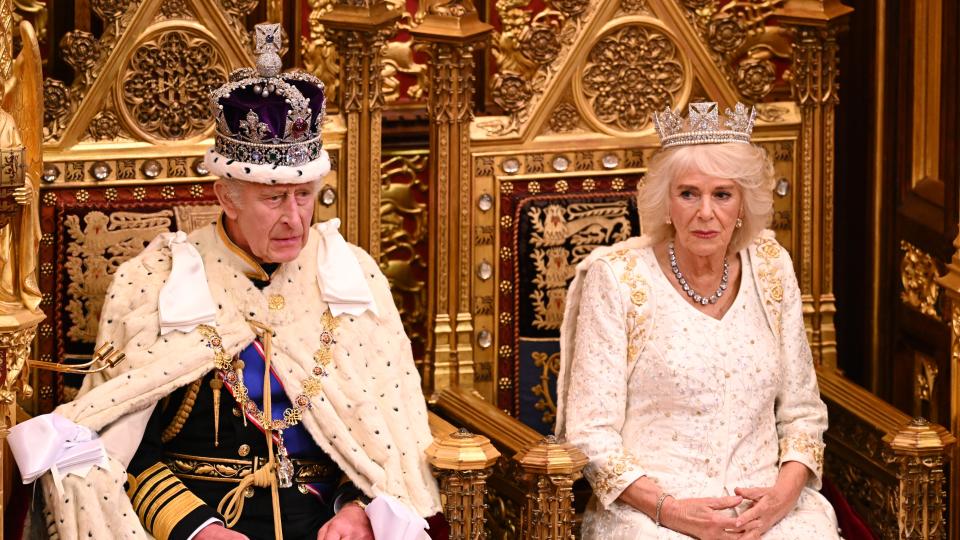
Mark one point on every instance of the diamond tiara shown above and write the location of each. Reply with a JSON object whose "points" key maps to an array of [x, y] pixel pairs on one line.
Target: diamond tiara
{"points": [[702, 125]]}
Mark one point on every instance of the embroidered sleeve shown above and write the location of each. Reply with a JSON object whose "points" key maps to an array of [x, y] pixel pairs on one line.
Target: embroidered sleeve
{"points": [[597, 395], [801, 414]]}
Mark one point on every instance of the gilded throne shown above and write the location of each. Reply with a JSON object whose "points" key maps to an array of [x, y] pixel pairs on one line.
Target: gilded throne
{"points": [[479, 221]]}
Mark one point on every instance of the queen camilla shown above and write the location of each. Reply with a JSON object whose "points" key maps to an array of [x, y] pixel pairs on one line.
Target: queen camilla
{"points": [[686, 376]]}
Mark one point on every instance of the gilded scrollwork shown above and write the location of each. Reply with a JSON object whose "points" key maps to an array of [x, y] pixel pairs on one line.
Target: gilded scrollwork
{"points": [[95, 250], [549, 365], [403, 234], [164, 89], [735, 33], [918, 274], [527, 50], [632, 72], [858, 461], [320, 54]]}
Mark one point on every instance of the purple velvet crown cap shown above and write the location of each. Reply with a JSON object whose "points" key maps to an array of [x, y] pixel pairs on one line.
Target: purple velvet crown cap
{"points": [[268, 122], [273, 109]]}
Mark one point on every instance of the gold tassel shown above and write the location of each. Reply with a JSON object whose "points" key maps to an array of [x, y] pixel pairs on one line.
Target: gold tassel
{"points": [[238, 369], [216, 384]]}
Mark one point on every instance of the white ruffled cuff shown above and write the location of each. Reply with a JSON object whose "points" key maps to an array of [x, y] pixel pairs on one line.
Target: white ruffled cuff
{"points": [[52, 443]]}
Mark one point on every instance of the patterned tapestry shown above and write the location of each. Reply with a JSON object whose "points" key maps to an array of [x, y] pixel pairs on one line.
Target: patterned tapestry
{"points": [[553, 233]]}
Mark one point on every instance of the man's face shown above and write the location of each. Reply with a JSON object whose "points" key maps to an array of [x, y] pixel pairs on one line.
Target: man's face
{"points": [[269, 222]]}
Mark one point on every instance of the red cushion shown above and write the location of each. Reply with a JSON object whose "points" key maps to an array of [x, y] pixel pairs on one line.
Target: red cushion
{"points": [[851, 525]]}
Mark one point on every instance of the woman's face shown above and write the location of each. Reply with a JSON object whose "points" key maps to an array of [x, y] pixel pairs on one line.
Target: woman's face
{"points": [[704, 211]]}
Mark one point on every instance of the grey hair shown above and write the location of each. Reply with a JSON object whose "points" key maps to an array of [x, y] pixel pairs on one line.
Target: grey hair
{"points": [[746, 164], [231, 190]]}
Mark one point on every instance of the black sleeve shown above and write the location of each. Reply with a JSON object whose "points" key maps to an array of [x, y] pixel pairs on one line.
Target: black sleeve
{"points": [[166, 508]]}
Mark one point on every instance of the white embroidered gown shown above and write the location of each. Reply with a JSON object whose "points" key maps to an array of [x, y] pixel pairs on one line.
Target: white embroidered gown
{"points": [[698, 405]]}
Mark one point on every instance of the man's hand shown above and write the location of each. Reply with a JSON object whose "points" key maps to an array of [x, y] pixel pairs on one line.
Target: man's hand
{"points": [[701, 518], [350, 523], [216, 531]]}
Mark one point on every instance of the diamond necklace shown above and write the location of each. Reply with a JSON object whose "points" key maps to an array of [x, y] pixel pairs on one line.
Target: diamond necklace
{"points": [[698, 298]]}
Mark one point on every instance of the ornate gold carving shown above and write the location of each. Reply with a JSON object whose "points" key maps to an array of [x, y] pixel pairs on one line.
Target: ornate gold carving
{"points": [[57, 107], [360, 34], [21, 156], [920, 448], [318, 53], [403, 233], [81, 51], [176, 9], [95, 251], [925, 377], [550, 366], [527, 51], [463, 461], [858, 462], [731, 28], [564, 118], [634, 6], [815, 82], [15, 345], [6, 42], [632, 72], [451, 31], [104, 126], [503, 516], [755, 77], [550, 469], [165, 86], [918, 274]]}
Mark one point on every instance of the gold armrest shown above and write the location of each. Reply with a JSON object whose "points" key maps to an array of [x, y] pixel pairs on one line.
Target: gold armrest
{"points": [[889, 465]]}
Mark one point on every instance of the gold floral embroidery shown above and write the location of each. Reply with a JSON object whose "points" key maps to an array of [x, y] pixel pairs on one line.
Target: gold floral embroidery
{"points": [[768, 271], [608, 478], [804, 444], [639, 293]]}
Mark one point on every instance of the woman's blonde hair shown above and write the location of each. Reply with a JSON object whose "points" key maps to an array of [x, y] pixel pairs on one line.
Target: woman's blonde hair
{"points": [[745, 164]]}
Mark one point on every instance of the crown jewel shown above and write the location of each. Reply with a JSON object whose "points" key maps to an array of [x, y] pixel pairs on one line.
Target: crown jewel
{"points": [[265, 117], [703, 125]]}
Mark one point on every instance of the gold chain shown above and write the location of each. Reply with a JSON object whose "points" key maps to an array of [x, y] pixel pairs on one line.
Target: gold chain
{"points": [[232, 373]]}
